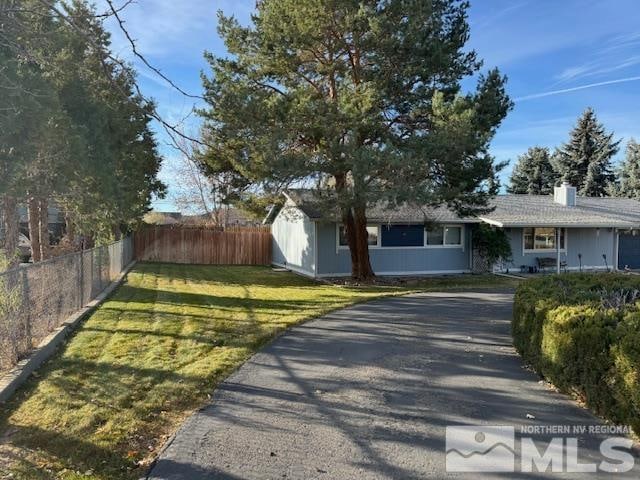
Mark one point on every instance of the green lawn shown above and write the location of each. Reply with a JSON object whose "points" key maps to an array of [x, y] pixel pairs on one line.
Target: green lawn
{"points": [[153, 353]]}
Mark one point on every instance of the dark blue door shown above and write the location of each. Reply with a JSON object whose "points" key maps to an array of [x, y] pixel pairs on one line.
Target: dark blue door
{"points": [[629, 251]]}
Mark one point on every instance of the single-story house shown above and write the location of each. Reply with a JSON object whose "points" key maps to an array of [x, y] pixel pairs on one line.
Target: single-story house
{"points": [[562, 230]]}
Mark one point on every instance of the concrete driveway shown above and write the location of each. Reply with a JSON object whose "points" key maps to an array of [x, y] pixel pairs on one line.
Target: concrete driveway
{"points": [[367, 392]]}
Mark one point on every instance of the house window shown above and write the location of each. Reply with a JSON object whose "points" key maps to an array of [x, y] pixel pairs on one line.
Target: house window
{"points": [[444, 235], [452, 235], [542, 238], [435, 236], [372, 236], [402, 236]]}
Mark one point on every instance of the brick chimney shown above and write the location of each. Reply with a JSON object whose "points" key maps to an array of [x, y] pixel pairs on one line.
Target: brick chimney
{"points": [[565, 195]]}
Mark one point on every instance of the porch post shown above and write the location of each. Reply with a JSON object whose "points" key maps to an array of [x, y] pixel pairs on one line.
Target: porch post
{"points": [[616, 242], [558, 250]]}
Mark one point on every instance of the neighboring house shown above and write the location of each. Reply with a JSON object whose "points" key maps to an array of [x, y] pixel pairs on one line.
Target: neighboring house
{"points": [[234, 217], [56, 222], [163, 218], [593, 233], [226, 217]]}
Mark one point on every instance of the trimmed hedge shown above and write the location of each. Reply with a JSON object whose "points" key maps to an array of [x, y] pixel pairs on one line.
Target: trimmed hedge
{"points": [[582, 333]]}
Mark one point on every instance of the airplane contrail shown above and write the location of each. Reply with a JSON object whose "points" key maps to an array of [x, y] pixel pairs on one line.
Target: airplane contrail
{"points": [[573, 89]]}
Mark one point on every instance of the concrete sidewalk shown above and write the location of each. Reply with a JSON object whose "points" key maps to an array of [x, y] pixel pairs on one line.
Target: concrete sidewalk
{"points": [[366, 393]]}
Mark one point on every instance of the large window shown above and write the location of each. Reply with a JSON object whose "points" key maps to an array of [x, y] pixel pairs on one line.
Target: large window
{"points": [[402, 236], [398, 236], [542, 238], [372, 236], [444, 235]]}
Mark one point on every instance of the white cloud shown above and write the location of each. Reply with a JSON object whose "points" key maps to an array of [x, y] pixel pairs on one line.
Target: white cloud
{"points": [[573, 72], [528, 30], [617, 52], [574, 89], [170, 29]]}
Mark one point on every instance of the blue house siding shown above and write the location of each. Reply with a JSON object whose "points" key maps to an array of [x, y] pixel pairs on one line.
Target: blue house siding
{"points": [[294, 244], [391, 260], [592, 243]]}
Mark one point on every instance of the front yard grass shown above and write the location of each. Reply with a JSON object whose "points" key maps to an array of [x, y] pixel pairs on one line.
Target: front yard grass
{"points": [[152, 354]]}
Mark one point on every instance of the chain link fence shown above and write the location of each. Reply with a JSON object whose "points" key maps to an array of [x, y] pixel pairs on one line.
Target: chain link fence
{"points": [[36, 299]]}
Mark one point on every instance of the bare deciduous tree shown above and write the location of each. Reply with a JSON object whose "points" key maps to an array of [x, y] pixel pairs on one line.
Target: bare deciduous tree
{"points": [[198, 193]]}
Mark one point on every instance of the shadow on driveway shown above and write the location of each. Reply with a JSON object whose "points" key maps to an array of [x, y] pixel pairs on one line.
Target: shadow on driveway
{"points": [[366, 392]]}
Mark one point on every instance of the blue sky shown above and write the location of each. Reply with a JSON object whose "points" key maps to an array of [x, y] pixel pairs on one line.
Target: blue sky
{"points": [[560, 57]]}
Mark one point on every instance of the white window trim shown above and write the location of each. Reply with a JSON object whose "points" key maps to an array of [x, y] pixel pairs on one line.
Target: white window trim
{"points": [[346, 247], [424, 245], [545, 250], [445, 225]]}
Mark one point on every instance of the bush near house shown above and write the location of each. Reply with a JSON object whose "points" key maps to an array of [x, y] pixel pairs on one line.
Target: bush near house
{"points": [[582, 333]]}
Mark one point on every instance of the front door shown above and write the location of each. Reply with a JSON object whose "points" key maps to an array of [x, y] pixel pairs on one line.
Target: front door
{"points": [[629, 250]]}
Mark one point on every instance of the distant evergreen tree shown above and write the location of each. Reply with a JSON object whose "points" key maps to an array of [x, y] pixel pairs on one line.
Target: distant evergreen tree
{"points": [[585, 161], [533, 173], [628, 184]]}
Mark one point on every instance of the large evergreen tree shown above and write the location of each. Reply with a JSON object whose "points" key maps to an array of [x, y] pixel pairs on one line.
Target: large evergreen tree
{"points": [[533, 173], [361, 97], [585, 161], [33, 124], [628, 181], [73, 128], [118, 160]]}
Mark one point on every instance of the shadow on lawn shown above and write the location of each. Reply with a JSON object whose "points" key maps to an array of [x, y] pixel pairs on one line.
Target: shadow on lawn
{"points": [[235, 275], [68, 452], [92, 399], [121, 389], [246, 303]]}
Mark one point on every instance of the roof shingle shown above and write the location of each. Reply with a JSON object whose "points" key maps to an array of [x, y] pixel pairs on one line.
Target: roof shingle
{"points": [[542, 211], [509, 211]]}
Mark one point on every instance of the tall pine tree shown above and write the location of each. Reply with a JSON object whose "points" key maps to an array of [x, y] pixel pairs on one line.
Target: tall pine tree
{"points": [[362, 97], [628, 184], [585, 161], [533, 173]]}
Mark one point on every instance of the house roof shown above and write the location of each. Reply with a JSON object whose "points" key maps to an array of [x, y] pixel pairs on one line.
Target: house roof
{"points": [[316, 208], [542, 211], [509, 211]]}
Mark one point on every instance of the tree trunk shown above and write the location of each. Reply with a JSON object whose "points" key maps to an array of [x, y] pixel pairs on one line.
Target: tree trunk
{"points": [[33, 211], [69, 228], [88, 241], [355, 224], [11, 229], [365, 272], [350, 231], [43, 210]]}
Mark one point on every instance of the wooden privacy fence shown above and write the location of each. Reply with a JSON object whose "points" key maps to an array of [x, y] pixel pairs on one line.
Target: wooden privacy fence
{"points": [[205, 246]]}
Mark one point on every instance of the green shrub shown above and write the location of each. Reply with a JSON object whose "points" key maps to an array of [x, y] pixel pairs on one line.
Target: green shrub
{"points": [[625, 354], [582, 333], [492, 243]]}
